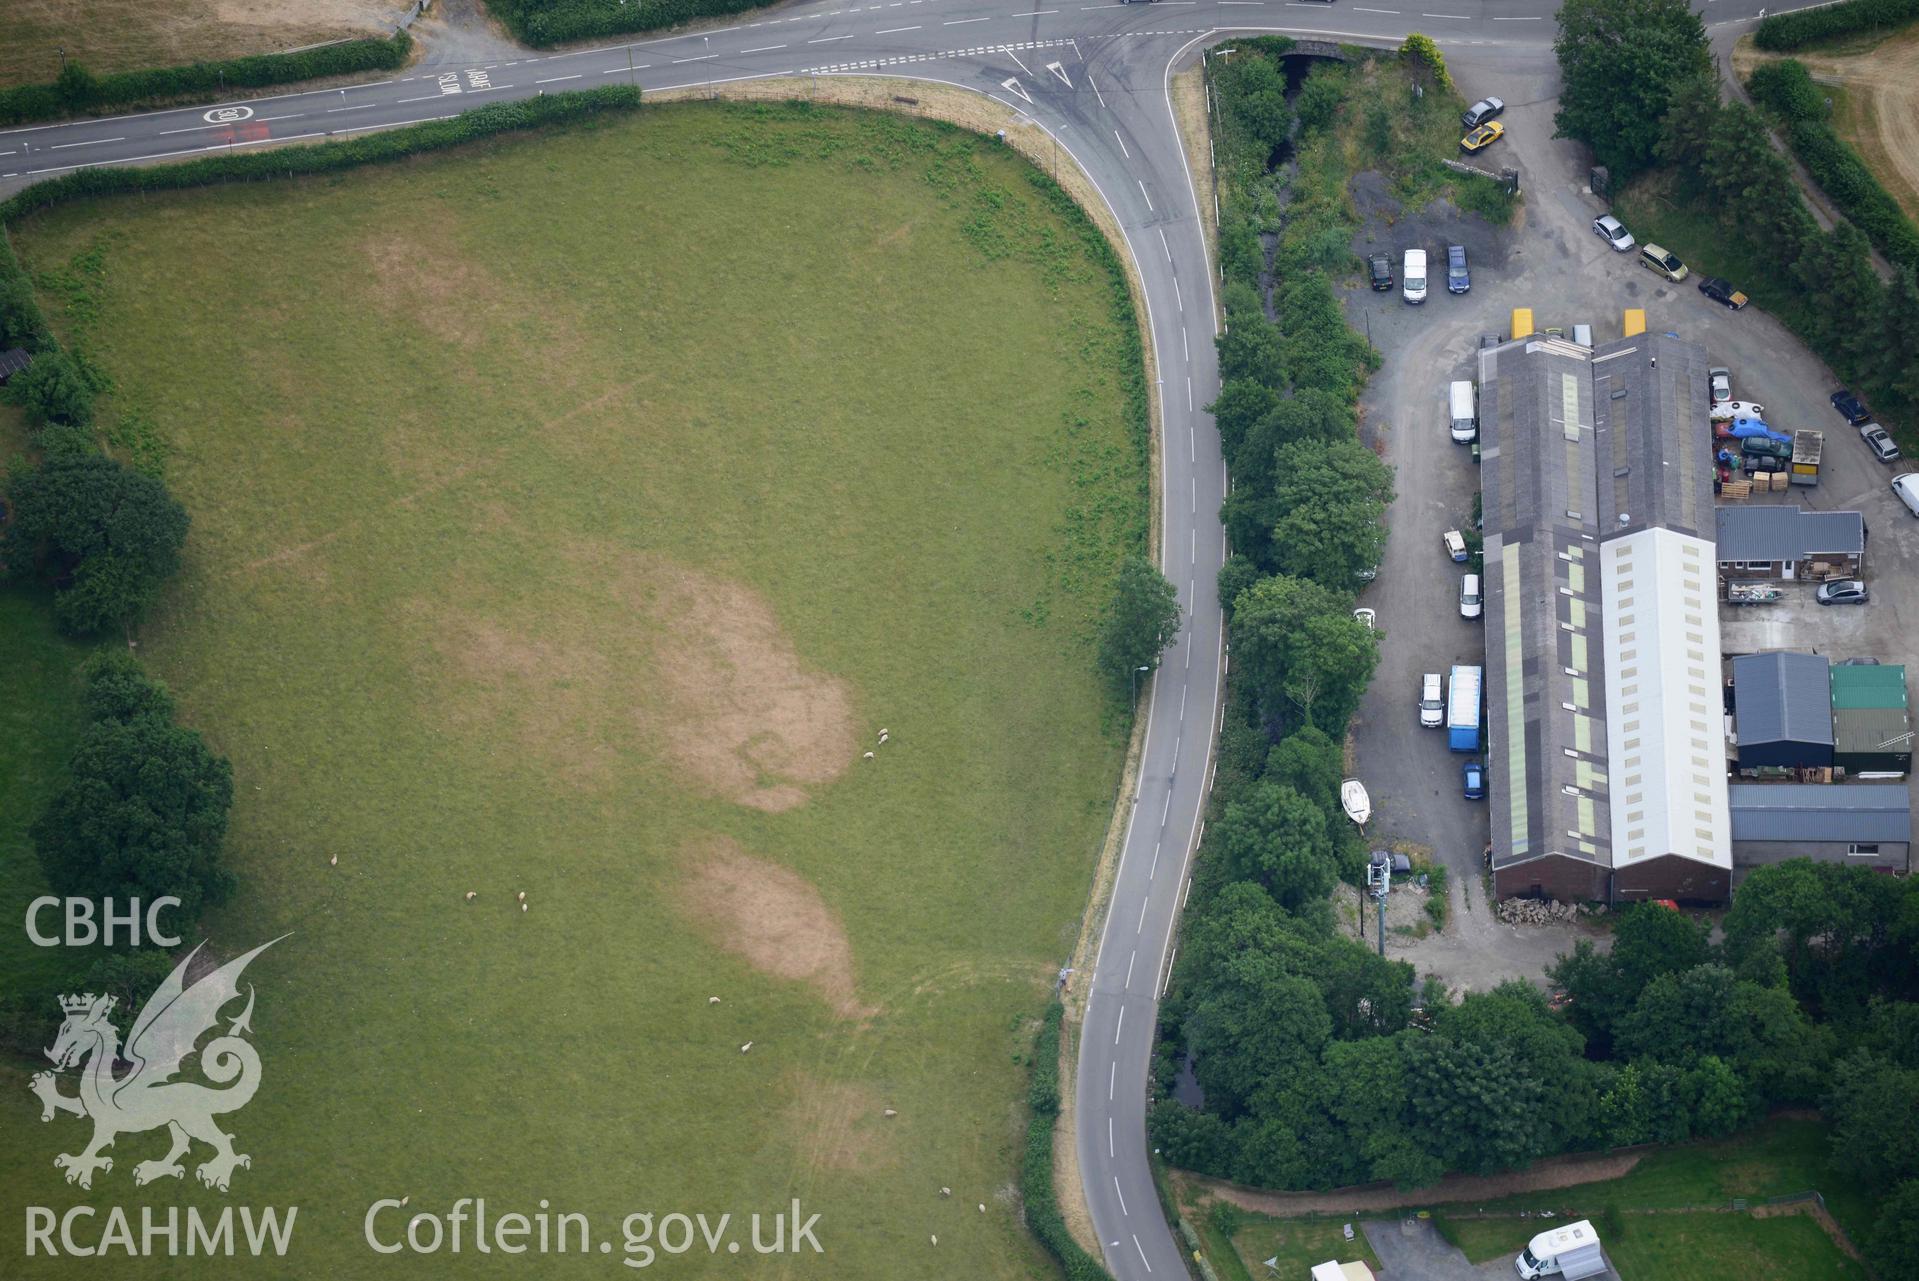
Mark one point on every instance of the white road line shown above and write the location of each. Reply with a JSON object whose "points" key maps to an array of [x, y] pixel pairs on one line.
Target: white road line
{"points": [[1458, 17], [1142, 1251], [1188, 891], [1141, 926], [1536, 17], [1124, 1212], [426, 96], [1192, 456], [1110, 1151], [1162, 822], [1112, 1080], [1134, 956], [1185, 349], [1122, 146], [1099, 95], [1118, 1024], [555, 79], [893, 31], [362, 107], [1151, 872], [960, 22], [1015, 57], [1358, 9], [700, 58], [1178, 297], [765, 48], [93, 142], [830, 39], [1189, 409], [1169, 975], [1163, 245], [166, 132], [1142, 191]]}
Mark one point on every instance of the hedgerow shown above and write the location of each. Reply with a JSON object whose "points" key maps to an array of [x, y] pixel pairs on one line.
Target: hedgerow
{"points": [[1036, 1166], [549, 22], [1795, 30], [78, 91], [1844, 176]]}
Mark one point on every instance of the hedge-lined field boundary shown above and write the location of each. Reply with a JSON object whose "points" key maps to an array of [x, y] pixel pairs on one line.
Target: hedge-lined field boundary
{"points": [[1796, 30], [78, 91], [549, 22], [1043, 1217], [327, 157]]}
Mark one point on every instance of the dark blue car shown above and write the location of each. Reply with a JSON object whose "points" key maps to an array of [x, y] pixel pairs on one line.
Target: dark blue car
{"points": [[1458, 279], [1473, 775]]}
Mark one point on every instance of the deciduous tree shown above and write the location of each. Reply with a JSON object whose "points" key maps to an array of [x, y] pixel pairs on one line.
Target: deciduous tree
{"points": [[1620, 63]]}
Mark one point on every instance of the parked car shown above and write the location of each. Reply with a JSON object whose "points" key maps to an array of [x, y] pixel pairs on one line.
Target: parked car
{"points": [[1879, 442], [1763, 464], [1458, 279], [1472, 778], [1613, 232], [1720, 379], [1455, 545], [1482, 111], [1906, 489], [1842, 591], [1720, 291], [1471, 603], [1368, 574], [1381, 267], [1664, 262], [1370, 617], [1432, 702], [1728, 409], [1483, 137], [1412, 276], [1850, 407]]}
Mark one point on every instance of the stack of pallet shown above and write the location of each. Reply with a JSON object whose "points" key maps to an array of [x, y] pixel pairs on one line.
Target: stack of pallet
{"points": [[1735, 489]]}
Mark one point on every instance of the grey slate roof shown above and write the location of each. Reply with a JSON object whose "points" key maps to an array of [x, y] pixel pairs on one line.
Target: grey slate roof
{"points": [[1783, 697], [1787, 812], [1788, 533], [1650, 394]]}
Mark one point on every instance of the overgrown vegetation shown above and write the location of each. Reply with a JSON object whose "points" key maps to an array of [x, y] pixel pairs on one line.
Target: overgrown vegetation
{"points": [[1784, 31], [79, 91], [1716, 191], [1036, 1188]]}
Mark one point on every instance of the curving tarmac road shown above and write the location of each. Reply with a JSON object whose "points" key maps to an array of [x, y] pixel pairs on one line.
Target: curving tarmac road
{"points": [[1096, 78]]}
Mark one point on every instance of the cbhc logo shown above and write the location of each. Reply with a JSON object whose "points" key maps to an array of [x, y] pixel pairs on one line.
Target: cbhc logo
{"points": [[82, 931]]}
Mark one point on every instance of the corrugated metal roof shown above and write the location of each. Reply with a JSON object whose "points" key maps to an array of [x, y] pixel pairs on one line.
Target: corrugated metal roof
{"points": [[1782, 697], [1871, 729], [1882, 686], [1820, 812], [1767, 533]]}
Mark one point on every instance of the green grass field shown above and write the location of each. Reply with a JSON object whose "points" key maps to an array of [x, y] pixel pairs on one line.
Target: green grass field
{"points": [[1709, 1247], [568, 518]]}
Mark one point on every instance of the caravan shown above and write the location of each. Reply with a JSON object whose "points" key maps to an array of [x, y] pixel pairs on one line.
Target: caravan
{"points": [[1570, 1253]]}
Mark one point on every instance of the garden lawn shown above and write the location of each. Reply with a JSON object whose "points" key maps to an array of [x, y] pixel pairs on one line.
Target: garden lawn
{"points": [[570, 515]]}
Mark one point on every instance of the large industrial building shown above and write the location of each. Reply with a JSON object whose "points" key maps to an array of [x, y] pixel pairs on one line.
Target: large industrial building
{"points": [[1605, 757]]}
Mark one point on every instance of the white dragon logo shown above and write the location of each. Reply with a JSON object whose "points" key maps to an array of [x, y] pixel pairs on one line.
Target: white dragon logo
{"points": [[145, 1097]]}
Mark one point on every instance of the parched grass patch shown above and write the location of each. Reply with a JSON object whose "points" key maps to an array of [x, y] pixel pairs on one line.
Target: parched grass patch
{"points": [[570, 515]]}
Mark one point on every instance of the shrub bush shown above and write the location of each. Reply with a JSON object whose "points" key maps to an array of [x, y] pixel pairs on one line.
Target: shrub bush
{"points": [[78, 90], [1786, 88], [1796, 30]]}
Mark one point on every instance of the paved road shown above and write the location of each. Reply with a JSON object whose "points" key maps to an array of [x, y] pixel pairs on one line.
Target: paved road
{"points": [[1094, 76]]}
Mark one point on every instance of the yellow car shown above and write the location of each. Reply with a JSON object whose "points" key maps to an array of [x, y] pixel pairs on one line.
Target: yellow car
{"points": [[1484, 136]]}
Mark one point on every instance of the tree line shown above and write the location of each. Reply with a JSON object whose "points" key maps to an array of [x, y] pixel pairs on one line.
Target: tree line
{"points": [[1638, 86]]}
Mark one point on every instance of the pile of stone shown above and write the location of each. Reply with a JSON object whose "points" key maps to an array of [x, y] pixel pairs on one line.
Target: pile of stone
{"points": [[1534, 911]]}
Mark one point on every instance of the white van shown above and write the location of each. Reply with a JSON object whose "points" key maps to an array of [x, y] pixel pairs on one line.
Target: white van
{"points": [[1471, 603], [1906, 489], [1571, 1252], [1412, 276], [1464, 415]]}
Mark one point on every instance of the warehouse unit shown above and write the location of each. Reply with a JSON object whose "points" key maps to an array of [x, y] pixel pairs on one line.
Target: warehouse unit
{"points": [[1871, 724], [1782, 717], [1858, 824], [1606, 761]]}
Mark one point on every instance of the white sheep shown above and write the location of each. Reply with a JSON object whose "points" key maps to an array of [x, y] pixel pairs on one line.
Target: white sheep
{"points": [[712, 1000], [471, 895], [746, 1047], [333, 861], [869, 756]]}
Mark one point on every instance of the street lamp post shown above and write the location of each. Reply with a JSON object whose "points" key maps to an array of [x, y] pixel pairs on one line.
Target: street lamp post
{"points": [[1136, 672]]}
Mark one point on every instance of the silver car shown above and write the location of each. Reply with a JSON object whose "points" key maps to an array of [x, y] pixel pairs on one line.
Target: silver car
{"points": [[1432, 703], [1614, 233]]}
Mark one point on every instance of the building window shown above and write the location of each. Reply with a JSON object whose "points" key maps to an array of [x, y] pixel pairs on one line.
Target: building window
{"points": [[1863, 851]]}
